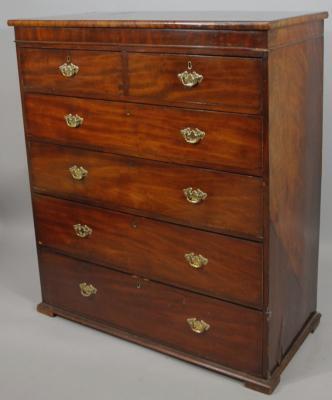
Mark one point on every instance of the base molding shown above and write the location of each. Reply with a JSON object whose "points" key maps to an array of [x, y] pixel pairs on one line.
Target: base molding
{"points": [[266, 386], [45, 309]]}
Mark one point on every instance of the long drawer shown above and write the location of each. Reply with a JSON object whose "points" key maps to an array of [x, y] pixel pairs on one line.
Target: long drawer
{"points": [[99, 73], [192, 196], [193, 137], [207, 263], [221, 332]]}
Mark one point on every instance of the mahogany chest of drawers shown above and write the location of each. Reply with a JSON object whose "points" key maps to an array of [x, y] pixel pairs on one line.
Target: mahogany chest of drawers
{"points": [[175, 169]]}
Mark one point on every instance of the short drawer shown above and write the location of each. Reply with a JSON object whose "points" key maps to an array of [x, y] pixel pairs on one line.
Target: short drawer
{"points": [[207, 263], [193, 137], [192, 196], [225, 83], [224, 333], [99, 74]]}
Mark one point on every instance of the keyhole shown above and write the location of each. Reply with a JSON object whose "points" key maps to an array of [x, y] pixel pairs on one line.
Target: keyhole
{"points": [[68, 59], [138, 285], [190, 65]]}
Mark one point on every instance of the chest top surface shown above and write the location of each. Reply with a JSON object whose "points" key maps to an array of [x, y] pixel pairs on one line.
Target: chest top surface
{"points": [[233, 20]]}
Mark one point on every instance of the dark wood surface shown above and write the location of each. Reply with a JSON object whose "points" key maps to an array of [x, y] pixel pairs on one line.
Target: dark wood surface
{"points": [[262, 385], [233, 203], [291, 35], [231, 142], [295, 141], [271, 78], [196, 41], [230, 84], [177, 20], [154, 249], [156, 311], [100, 72]]}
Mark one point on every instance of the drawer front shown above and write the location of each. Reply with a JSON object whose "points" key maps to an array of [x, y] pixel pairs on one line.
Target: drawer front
{"points": [[209, 263], [193, 137], [155, 311], [233, 202], [228, 83], [99, 74]]}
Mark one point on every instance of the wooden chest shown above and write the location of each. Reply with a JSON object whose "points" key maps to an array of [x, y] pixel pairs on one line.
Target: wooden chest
{"points": [[175, 169]]}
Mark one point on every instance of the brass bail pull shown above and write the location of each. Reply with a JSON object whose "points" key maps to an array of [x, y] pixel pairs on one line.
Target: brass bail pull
{"points": [[198, 326], [68, 69], [87, 290], [196, 261], [194, 196], [190, 78]]}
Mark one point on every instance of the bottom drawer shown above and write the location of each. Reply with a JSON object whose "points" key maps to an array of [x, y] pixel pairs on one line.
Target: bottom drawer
{"points": [[233, 337]]}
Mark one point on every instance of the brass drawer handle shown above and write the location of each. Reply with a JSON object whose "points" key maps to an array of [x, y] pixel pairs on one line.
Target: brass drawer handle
{"points": [[190, 78], [68, 69], [87, 290], [198, 326], [196, 261], [82, 231], [194, 196], [78, 173], [73, 121], [192, 135]]}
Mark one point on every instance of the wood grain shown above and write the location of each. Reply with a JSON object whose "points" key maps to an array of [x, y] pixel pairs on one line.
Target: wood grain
{"points": [[156, 311], [99, 73], [226, 85], [176, 20], [234, 202], [260, 103], [295, 140], [153, 249], [232, 142], [230, 84], [196, 39]]}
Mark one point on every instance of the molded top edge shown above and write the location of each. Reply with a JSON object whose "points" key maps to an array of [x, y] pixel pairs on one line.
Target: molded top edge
{"points": [[177, 20]]}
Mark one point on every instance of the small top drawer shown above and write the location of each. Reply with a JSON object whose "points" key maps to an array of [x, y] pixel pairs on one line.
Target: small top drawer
{"points": [[72, 72], [223, 83]]}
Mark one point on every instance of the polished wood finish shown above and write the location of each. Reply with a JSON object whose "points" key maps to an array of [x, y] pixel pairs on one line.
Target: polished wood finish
{"points": [[266, 386], [236, 20], [260, 105], [270, 384], [230, 84], [231, 142], [295, 173], [154, 310], [291, 35], [100, 73], [158, 37], [135, 245], [233, 203]]}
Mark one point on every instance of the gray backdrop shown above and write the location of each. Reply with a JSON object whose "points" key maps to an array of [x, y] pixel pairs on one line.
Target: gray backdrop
{"points": [[43, 358]]}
